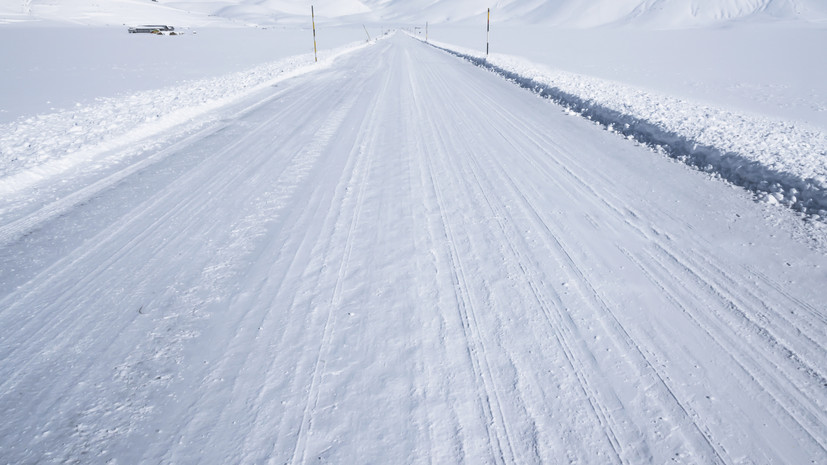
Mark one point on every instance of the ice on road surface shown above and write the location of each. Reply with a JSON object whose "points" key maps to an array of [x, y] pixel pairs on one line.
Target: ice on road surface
{"points": [[402, 258]]}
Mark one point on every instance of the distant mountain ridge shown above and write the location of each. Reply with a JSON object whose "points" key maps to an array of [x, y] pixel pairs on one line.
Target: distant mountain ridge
{"points": [[561, 13]]}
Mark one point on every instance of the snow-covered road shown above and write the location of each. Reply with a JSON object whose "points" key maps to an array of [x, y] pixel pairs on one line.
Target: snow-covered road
{"points": [[403, 258]]}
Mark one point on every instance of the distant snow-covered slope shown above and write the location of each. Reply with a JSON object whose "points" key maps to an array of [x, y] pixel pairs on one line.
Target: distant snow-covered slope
{"points": [[657, 14], [682, 13], [587, 13], [182, 12], [108, 12], [272, 11]]}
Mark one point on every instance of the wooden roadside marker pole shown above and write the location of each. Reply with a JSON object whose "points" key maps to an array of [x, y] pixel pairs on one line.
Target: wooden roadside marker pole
{"points": [[426, 32], [313, 20], [487, 33]]}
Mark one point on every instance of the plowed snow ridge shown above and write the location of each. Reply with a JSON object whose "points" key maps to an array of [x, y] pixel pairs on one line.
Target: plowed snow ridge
{"points": [[35, 148], [781, 161]]}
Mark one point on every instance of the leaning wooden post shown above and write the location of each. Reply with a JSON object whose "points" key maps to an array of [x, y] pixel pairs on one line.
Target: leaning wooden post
{"points": [[426, 32], [313, 19]]}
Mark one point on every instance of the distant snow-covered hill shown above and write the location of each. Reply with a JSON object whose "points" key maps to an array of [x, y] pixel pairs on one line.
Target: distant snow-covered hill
{"points": [[679, 13], [274, 11], [658, 14], [101, 12], [588, 13]]}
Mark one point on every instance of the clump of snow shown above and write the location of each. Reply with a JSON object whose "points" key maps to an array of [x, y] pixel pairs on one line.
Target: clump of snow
{"points": [[782, 161]]}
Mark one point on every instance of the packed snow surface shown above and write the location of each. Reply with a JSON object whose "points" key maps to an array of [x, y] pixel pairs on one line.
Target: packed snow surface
{"points": [[215, 250], [402, 258]]}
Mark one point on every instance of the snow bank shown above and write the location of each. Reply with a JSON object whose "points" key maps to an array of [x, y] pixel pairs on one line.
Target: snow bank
{"points": [[781, 161], [38, 147]]}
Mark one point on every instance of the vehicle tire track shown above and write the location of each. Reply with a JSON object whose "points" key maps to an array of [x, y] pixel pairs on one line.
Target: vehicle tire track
{"points": [[724, 292], [553, 243], [364, 159], [635, 221], [287, 182], [499, 441], [801, 408]]}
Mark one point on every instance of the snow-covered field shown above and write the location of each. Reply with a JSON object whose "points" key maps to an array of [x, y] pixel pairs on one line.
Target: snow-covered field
{"points": [[214, 250], [36, 147], [56, 68]]}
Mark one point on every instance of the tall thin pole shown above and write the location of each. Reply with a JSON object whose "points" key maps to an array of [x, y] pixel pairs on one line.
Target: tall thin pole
{"points": [[366, 32], [313, 19], [487, 33], [426, 32]]}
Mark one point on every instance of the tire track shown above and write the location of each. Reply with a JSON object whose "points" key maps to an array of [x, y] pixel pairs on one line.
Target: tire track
{"points": [[499, 441], [306, 426], [735, 306], [552, 240], [417, 184], [589, 292], [292, 176], [560, 326], [194, 205], [361, 174], [750, 373], [636, 222], [802, 409]]}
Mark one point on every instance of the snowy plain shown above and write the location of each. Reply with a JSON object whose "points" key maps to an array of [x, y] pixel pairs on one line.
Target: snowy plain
{"points": [[54, 67], [396, 255]]}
